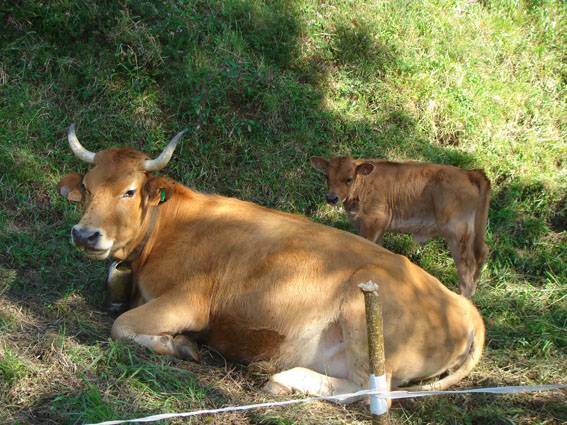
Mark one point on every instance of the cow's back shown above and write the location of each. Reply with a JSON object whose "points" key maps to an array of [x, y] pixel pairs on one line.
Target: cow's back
{"points": [[246, 250], [277, 287]]}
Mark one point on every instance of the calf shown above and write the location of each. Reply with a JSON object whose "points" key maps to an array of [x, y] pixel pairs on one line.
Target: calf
{"points": [[422, 199]]}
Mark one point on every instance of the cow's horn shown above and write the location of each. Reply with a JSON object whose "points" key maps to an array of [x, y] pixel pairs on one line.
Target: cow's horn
{"points": [[164, 157], [78, 149]]}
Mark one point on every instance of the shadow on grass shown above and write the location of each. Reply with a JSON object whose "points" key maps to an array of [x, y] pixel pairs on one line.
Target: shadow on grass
{"points": [[235, 68], [526, 321], [123, 382], [483, 409], [525, 225]]}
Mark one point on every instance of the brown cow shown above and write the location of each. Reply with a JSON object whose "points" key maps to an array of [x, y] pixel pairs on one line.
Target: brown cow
{"points": [[263, 284], [422, 199]]}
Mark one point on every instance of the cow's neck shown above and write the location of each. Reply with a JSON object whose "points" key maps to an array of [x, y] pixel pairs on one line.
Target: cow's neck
{"points": [[133, 252], [137, 252]]}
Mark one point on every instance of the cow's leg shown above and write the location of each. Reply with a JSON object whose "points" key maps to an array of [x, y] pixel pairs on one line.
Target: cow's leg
{"points": [[352, 320], [159, 323], [460, 239], [303, 380]]}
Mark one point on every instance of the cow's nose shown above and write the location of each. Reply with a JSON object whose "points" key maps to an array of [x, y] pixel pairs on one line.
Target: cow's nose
{"points": [[332, 198], [85, 236]]}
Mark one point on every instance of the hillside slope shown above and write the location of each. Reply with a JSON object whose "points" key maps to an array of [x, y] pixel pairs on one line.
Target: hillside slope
{"points": [[262, 86]]}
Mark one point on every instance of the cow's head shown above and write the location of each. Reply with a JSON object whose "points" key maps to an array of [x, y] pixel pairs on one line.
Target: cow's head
{"points": [[116, 193], [341, 173]]}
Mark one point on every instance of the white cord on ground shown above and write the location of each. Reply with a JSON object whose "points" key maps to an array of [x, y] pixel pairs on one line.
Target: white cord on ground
{"points": [[394, 395]]}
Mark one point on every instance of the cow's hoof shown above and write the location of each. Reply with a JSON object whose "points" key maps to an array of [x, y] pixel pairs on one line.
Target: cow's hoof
{"points": [[186, 349], [116, 309], [275, 388]]}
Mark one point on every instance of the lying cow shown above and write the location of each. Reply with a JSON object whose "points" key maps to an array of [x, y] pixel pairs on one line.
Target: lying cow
{"points": [[263, 284], [422, 199]]}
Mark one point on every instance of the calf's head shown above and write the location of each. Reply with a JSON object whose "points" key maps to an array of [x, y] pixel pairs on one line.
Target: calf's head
{"points": [[116, 192], [342, 173]]}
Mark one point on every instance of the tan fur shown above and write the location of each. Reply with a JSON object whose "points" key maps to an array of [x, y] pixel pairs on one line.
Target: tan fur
{"points": [[421, 199], [266, 285]]}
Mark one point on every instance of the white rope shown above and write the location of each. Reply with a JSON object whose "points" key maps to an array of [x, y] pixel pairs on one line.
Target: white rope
{"points": [[394, 395]]}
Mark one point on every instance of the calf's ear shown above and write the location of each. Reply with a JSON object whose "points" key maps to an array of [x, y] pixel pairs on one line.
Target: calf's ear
{"points": [[158, 190], [365, 168], [70, 187], [320, 164]]}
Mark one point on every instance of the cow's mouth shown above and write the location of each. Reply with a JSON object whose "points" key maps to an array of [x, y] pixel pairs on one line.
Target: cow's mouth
{"points": [[96, 254]]}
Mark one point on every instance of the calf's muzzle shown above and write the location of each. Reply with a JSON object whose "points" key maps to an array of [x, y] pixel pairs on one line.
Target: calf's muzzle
{"points": [[332, 198]]}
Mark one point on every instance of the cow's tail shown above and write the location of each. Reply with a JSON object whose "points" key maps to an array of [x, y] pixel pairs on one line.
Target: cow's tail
{"points": [[481, 219], [472, 358]]}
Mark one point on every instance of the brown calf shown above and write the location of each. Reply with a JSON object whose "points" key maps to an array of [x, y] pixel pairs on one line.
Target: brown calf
{"points": [[422, 199]]}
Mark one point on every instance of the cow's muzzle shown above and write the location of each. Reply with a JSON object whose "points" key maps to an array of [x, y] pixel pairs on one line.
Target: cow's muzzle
{"points": [[331, 198], [85, 237]]}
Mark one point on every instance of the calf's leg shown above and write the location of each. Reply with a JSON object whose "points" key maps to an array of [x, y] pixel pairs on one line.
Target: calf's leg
{"points": [[480, 255], [460, 239], [373, 228]]}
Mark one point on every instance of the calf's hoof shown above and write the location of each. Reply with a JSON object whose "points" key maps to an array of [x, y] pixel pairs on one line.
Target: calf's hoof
{"points": [[467, 291]]}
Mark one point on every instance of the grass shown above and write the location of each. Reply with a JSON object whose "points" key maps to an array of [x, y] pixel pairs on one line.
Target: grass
{"points": [[264, 85]]}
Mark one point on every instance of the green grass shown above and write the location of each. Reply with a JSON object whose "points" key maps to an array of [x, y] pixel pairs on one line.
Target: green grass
{"points": [[264, 85], [12, 368], [134, 386]]}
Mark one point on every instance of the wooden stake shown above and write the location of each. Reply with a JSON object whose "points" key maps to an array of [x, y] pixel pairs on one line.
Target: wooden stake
{"points": [[375, 346]]}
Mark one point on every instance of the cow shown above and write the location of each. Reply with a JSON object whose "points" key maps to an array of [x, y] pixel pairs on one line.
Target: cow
{"points": [[422, 199], [263, 285]]}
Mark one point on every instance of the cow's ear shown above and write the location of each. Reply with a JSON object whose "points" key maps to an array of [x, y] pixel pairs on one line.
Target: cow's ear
{"points": [[70, 187], [158, 190], [320, 164], [365, 168]]}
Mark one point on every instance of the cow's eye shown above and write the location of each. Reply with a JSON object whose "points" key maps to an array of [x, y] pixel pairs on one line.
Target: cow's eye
{"points": [[129, 193], [348, 180]]}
